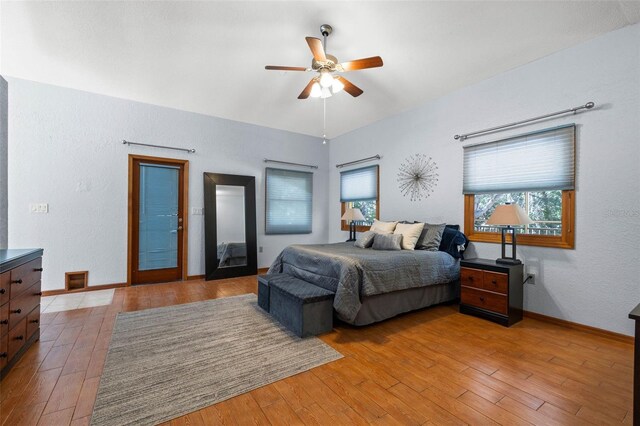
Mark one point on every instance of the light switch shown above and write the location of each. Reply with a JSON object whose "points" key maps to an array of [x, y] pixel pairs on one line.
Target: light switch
{"points": [[39, 208]]}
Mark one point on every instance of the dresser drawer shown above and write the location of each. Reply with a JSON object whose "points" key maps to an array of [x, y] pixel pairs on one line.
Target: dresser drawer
{"points": [[5, 287], [4, 350], [484, 299], [25, 276], [4, 319], [17, 338], [495, 281], [471, 277], [33, 321], [21, 306]]}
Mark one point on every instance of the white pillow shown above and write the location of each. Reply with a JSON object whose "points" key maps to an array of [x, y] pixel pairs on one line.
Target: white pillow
{"points": [[380, 227], [410, 233]]}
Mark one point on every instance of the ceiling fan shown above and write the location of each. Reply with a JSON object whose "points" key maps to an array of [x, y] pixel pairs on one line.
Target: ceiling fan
{"points": [[326, 83]]}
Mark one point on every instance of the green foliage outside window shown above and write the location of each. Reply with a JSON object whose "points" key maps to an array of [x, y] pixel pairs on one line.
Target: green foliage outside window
{"points": [[368, 209], [543, 207]]}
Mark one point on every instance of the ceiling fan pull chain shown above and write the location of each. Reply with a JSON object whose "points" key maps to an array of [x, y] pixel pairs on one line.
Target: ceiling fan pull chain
{"points": [[324, 121]]}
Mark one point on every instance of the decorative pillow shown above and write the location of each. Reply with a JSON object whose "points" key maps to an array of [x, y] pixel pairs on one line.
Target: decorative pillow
{"points": [[380, 227], [387, 242], [431, 237], [365, 240], [410, 234], [451, 239]]}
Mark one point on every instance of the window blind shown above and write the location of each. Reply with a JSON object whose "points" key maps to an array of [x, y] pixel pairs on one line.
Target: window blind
{"points": [[537, 161], [359, 184], [289, 196]]}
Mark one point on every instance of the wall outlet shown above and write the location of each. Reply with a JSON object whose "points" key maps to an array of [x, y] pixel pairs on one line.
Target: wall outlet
{"points": [[260, 249], [197, 210], [531, 278], [39, 208]]}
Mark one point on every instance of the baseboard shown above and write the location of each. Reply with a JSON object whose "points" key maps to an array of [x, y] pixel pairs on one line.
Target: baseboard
{"points": [[81, 290], [581, 327], [195, 277]]}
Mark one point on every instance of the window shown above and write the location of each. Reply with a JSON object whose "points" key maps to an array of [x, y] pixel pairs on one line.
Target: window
{"points": [[289, 196], [359, 188], [536, 171]]}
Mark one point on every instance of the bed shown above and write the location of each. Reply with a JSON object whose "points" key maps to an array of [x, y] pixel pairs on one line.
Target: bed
{"points": [[373, 285]]}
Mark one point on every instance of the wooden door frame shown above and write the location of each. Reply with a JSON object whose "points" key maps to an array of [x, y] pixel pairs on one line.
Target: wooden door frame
{"points": [[185, 209]]}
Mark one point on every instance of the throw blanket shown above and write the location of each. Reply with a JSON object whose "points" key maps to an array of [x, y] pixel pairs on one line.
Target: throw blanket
{"points": [[353, 273]]}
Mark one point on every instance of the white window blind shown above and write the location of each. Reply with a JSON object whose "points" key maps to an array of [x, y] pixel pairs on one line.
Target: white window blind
{"points": [[537, 161], [289, 196], [359, 184]]}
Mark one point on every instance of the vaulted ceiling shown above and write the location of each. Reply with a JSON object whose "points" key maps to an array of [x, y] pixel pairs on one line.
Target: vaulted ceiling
{"points": [[209, 57]]}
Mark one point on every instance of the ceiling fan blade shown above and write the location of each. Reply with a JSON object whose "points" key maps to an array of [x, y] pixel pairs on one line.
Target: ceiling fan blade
{"points": [[281, 68], [307, 90], [361, 64], [315, 44], [350, 88]]}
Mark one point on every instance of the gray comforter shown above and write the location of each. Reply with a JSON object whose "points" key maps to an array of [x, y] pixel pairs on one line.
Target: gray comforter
{"points": [[353, 273]]}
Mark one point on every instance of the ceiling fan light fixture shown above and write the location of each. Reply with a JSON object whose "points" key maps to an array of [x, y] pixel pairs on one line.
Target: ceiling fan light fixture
{"points": [[316, 90], [326, 93], [326, 79], [336, 85]]}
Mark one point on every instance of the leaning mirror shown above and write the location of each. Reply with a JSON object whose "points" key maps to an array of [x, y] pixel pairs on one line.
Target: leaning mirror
{"points": [[230, 226]]}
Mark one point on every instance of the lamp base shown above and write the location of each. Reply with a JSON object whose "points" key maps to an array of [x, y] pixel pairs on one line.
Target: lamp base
{"points": [[350, 240], [508, 261]]}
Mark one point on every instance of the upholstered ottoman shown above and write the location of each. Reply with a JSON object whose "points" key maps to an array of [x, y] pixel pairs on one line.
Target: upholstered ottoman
{"points": [[263, 290], [302, 307]]}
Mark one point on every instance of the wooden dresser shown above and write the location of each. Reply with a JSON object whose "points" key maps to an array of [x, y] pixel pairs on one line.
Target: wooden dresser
{"points": [[20, 293], [491, 290]]}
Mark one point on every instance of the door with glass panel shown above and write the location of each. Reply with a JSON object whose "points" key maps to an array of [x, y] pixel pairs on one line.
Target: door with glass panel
{"points": [[157, 228]]}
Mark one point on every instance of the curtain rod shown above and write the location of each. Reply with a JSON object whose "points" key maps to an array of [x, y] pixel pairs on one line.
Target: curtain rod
{"points": [[126, 142], [574, 110], [266, 160], [350, 163]]}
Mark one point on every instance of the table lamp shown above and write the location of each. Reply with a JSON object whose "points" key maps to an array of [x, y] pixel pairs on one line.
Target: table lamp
{"points": [[351, 215], [505, 216]]}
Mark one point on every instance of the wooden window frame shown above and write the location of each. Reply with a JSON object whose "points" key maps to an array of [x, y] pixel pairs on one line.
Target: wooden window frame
{"points": [[344, 226], [565, 240]]}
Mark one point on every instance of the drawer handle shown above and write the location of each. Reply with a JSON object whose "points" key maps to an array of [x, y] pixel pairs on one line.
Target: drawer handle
{"points": [[2, 291], [494, 282], [482, 298], [4, 322], [38, 293], [4, 355], [38, 269], [17, 311], [19, 337], [17, 281], [35, 321], [470, 278]]}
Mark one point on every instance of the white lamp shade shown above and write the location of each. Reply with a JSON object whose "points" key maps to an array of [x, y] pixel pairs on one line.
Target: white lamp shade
{"points": [[336, 86], [352, 214], [316, 90], [509, 214]]}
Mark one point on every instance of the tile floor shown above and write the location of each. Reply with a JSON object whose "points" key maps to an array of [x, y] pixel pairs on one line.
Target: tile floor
{"points": [[67, 302]]}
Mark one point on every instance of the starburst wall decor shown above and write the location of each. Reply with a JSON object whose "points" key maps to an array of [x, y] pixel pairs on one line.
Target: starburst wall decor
{"points": [[417, 177]]}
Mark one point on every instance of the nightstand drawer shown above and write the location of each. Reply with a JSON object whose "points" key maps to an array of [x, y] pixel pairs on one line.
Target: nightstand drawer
{"points": [[495, 281], [471, 277], [484, 299]]}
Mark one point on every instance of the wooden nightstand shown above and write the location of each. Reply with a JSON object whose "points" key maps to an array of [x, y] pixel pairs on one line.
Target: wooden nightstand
{"points": [[491, 290]]}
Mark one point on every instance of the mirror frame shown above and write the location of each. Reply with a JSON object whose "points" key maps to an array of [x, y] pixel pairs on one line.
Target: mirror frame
{"points": [[212, 271]]}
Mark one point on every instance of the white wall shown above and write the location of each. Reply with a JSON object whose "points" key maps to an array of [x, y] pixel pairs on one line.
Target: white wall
{"points": [[65, 150], [596, 284], [3, 163]]}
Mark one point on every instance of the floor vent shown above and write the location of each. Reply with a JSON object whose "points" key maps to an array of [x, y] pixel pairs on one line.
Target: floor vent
{"points": [[76, 280]]}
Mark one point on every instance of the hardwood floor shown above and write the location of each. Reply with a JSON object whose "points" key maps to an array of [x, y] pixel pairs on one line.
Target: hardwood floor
{"points": [[435, 366]]}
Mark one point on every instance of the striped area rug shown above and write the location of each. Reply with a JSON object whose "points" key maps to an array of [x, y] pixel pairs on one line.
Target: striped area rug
{"points": [[166, 362]]}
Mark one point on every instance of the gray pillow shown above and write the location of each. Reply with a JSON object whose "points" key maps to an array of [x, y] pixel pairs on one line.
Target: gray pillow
{"points": [[430, 237], [365, 240], [387, 242]]}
